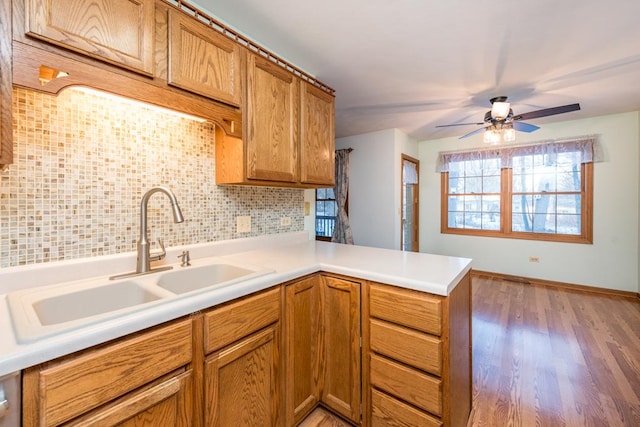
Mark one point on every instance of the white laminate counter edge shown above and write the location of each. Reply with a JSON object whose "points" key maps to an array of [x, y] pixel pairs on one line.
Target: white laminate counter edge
{"points": [[290, 256]]}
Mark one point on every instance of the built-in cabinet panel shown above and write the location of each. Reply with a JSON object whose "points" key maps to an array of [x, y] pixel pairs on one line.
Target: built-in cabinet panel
{"points": [[203, 60], [241, 382], [116, 31], [271, 122], [317, 136], [303, 343], [6, 81], [242, 375], [341, 390]]}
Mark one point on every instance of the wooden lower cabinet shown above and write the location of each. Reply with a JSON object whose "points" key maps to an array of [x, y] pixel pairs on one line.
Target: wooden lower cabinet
{"points": [[341, 390], [419, 356], [303, 347], [242, 374], [375, 354], [241, 382], [143, 379], [322, 343]]}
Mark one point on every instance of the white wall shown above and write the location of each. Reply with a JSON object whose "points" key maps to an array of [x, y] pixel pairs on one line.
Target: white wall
{"points": [[610, 262], [374, 185]]}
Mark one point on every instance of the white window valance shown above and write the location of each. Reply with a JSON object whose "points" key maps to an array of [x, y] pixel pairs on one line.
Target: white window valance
{"points": [[587, 146]]}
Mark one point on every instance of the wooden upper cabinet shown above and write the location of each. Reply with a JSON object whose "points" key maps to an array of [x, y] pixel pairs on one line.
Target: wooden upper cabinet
{"points": [[204, 61], [272, 118], [117, 31], [317, 134]]}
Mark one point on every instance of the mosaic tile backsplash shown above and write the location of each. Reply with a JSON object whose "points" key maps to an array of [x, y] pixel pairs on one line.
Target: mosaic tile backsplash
{"points": [[82, 163]]}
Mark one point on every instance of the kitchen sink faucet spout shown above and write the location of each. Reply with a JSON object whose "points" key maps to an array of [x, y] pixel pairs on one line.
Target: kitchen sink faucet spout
{"points": [[143, 263], [144, 253]]}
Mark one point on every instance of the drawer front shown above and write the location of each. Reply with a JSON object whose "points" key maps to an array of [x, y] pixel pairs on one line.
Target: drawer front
{"points": [[231, 322], [78, 384], [406, 345], [413, 309], [407, 384], [389, 412]]}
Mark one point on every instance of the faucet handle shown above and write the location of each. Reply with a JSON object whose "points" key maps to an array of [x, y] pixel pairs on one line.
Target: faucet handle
{"points": [[158, 255], [184, 259]]}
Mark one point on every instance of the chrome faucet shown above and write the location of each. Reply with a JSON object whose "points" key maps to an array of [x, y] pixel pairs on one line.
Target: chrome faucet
{"points": [[143, 264]]}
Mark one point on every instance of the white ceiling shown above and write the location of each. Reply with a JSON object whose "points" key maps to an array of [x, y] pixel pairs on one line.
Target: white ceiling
{"points": [[415, 64]]}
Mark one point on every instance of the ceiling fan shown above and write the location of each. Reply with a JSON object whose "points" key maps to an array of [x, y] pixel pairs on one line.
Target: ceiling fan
{"points": [[501, 117]]}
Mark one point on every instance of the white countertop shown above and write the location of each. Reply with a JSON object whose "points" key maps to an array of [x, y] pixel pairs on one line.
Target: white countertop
{"points": [[289, 255]]}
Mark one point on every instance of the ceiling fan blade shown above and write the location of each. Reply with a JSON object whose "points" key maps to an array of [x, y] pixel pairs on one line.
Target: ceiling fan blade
{"points": [[473, 132], [547, 112], [524, 127], [459, 124]]}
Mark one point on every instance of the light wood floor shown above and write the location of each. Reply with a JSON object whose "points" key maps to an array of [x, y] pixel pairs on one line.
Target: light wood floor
{"points": [[551, 357]]}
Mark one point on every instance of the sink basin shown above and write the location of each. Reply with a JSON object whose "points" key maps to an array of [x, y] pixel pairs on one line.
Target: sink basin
{"points": [[191, 279], [90, 302], [41, 312]]}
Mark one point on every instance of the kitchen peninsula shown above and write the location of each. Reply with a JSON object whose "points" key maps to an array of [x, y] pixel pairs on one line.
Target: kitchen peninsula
{"points": [[358, 330]]}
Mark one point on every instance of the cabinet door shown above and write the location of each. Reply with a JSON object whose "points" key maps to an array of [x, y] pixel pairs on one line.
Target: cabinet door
{"points": [[304, 344], [117, 31], [341, 390], [317, 134], [167, 404], [241, 382], [272, 122], [202, 60]]}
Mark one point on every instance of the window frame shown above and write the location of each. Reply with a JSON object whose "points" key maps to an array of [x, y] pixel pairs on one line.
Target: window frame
{"points": [[315, 223], [506, 194]]}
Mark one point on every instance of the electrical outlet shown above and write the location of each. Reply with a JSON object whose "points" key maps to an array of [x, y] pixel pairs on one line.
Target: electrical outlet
{"points": [[285, 221], [243, 224], [534, 259]]}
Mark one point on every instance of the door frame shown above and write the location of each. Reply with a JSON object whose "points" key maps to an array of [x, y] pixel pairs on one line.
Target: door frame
{"points": [[416, 209]]}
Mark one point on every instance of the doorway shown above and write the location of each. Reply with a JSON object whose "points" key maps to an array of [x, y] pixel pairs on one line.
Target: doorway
{"points": [[409, 219]]}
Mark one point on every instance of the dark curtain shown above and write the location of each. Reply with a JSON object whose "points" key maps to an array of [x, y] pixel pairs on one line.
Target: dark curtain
{"points": [[342, 230]]}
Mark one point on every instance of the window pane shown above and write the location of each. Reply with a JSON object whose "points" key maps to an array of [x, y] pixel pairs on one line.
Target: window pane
{"points": [[569, 181], [522, 182], [330, 193], [522, 204], [456, 185], [544, 204], [472, 220], [543, 223], [545, 181], [569, 224], [473, 185], [491, 204], [491, 221], [569, 204], [491, 167], [491, 184]]}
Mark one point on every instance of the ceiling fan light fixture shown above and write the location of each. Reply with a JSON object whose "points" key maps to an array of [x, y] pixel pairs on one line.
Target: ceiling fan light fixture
{"points": [[508, 133], [500, 110], [491, 136]]}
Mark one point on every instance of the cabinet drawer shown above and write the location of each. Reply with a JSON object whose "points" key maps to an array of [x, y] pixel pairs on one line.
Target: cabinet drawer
{"points": [[389, 412], [236, 320], [72, 386], [406, 345], [413, 309], [407, 384]]}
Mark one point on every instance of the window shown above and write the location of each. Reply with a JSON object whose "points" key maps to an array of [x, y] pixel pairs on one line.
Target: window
{"points": [[540, 192], [326, 211]]}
